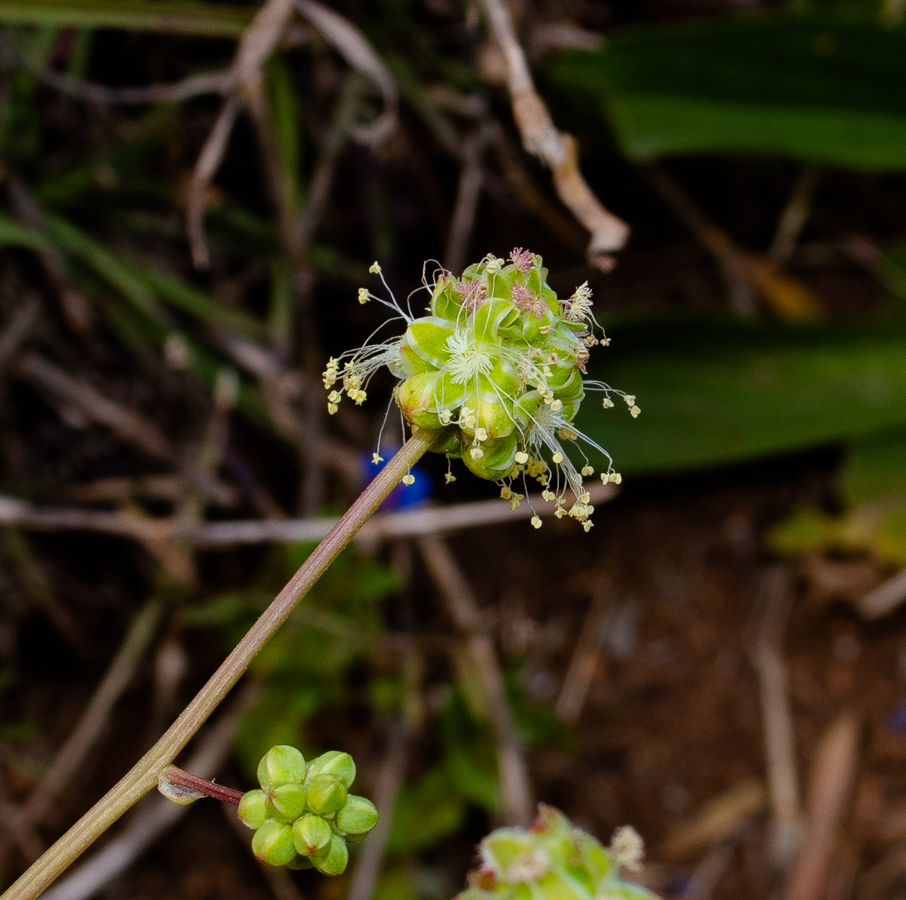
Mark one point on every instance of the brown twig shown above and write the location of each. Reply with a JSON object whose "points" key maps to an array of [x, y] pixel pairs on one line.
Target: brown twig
{"points": [[352, 45], [73, 303], [745, 272], [558, 151], [582, 665], [885, 598], [467, 196], [794, 216], [779, 736], [213, 535], [128, 425], [462, 607], [95, 717], [833, 774], [389, 782]]}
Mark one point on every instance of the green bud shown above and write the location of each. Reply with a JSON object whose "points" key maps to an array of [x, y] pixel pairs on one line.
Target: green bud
{"points": [[311, 834], [334, 762], [273, 843], [281, 765], [252, 809], [326, 794], [358, 816], [286, 802], [333, 859]]}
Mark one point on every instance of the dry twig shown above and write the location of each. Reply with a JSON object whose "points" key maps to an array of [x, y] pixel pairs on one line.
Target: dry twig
{"points": [[779, 736], [390, 780], [84, 736], [212, 535], [453, 586], [585, 657], [558, 151], [832, 778]]}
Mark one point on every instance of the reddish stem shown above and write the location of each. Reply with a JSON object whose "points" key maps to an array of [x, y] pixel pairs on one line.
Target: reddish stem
{"points": [[184, 779]]}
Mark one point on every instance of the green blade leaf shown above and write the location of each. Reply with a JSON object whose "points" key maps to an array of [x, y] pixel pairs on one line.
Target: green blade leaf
{"points": [[717, 392], [812, 87], [172, 16]]}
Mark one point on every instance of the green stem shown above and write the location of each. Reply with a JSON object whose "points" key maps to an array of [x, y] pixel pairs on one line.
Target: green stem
{"points": [[143, 776]]}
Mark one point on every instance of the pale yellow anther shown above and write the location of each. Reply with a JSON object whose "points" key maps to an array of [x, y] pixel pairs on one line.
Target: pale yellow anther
{"points": [[607, 403], [408, 479], [376, 458], [481, 434], [332, 408], [634, 412], [556, 405], [449, 478], [445, 417], [334, 396], [587, 525], [521, 457], [506, 493], [536, 522], [584, 498], [374, 268], [587, 470], [548, 495], [557, 458], [629, 398], [476, 453], [363, 295]]}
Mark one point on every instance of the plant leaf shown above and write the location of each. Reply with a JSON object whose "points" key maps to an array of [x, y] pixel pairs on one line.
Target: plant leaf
{"points": [[809, 86]]}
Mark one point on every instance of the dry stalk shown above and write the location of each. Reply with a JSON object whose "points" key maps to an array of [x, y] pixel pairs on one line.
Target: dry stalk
{"points": [[558, 151]]}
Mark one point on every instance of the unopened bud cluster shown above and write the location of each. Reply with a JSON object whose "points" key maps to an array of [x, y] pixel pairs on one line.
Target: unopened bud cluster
{"points": [[304, 815], [553, 860], [496, 371]]}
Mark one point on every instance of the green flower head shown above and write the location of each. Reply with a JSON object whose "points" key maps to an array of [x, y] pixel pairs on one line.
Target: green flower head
{"points": [[496, 370], [553, 860]]}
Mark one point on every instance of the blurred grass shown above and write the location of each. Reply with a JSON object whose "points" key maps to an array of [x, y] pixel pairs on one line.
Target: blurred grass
{"points": [[185, 17]]}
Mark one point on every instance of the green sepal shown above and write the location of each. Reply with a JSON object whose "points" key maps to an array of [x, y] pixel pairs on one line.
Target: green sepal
{"points": [[311, 834], [358, 816], [281, 765], [415, 398], [334, 762], [498, 461], [427, 338], [334, 858], [326, 794], [273, 843], [286, 802], [492, 315], [446, 302], [252, 809]]}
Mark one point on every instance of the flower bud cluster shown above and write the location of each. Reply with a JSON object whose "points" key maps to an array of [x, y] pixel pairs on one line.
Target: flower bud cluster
{"points": [[496, 372], [552, 860], [304, 815]]}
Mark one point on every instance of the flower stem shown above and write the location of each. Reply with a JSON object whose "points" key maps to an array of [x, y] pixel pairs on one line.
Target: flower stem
{"points": [[143, 776], [195, 785]]}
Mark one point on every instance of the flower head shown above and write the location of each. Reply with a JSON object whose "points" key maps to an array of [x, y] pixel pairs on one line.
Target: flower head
{"points": [[551, 860], [496, 369]]}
